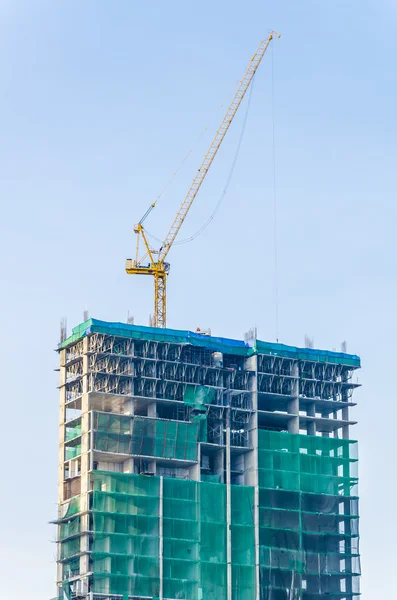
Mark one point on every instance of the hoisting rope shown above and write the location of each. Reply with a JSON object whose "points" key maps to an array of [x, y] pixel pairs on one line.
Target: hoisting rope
{"points": [[151, 207], [228, 181], [275, 224]]}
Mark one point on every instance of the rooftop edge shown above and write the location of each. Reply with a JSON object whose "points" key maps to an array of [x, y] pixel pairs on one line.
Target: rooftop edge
{"points": [[225, 345]]}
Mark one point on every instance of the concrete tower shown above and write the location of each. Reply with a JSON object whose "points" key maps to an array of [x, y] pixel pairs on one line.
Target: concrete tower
{"points": [[202, 468]]}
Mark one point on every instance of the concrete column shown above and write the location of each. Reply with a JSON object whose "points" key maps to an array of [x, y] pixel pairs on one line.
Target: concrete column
{"points": [[251, 458], [86, 457], [128, 406], [257, 546], [62, 417], [345, 428], [219, 462], [61, 450], [128, 465], [251, 463], [293, 404], [195, 470], [311, 412], [335, 433], [161, 539], [345, 410], [228, 509], [152, 410]]}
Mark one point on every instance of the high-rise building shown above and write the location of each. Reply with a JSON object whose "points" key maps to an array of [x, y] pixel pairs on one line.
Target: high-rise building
{"points": [[202, 468]]}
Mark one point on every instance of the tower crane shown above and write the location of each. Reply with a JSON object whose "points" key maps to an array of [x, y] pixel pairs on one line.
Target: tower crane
{"points": [[153, 262]]}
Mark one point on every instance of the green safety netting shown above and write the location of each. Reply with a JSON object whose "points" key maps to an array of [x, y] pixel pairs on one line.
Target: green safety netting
{"points": [[73, 432], [72, 451], [166, 439], [71, 567], [243, 542], [112, 423], [126, 526], [174, 336], [201, 420], [66, 591], [69, 528], [198, 396], [70, 548], [126, 534], [224, 345], [307, 354], [181, 530], [308, 517], [304, 536], [210, 478], [113, 433], [73, 507], [150, 437], [307, 463]]}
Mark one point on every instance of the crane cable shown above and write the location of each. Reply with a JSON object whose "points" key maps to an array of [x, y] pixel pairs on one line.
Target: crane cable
{"points": [[228, 181], [275, 224], [151, 207]]}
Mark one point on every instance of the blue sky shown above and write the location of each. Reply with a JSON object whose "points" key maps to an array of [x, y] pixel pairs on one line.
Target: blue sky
{"points": [[99, 103]]}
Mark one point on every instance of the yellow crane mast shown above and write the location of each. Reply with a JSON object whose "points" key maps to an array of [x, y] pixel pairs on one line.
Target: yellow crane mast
{"points": [[152, 262]]}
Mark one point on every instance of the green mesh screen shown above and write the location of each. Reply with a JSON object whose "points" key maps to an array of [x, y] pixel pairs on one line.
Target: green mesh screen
{"points": [[73, 432], [72, 452], [69, 528], [125, 546], [70, 548], [181, 544], [198, 396], [107, 422], [290, 462], [243, 542], [73, 506], [308, 523], [201, 421], [213, 567], [126, 540], [69, 538], [71, 568], [227, 346], [168, 439], [308, 517], [148, 437]]}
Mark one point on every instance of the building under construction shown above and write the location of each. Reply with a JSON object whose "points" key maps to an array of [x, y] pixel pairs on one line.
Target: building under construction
{"points": [[202, 468]]}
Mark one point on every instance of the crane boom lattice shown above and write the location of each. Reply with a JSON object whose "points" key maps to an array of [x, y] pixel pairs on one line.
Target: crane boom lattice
{"points": [[157, 265]]}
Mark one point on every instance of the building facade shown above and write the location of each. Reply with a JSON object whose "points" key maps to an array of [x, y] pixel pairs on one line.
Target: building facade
{"points": [[202, 468]]}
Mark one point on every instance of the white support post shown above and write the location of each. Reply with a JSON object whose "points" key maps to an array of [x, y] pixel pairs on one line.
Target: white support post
{"points": [[251, 475], [86, 447], [228, 509], [61, 452], [161, 540]]}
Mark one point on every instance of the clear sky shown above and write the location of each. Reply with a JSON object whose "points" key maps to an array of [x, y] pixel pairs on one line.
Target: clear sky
{"points": [[99, 103]]}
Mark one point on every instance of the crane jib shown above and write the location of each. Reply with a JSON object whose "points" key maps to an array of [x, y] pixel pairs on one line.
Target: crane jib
{"points": [[156, 268]]}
